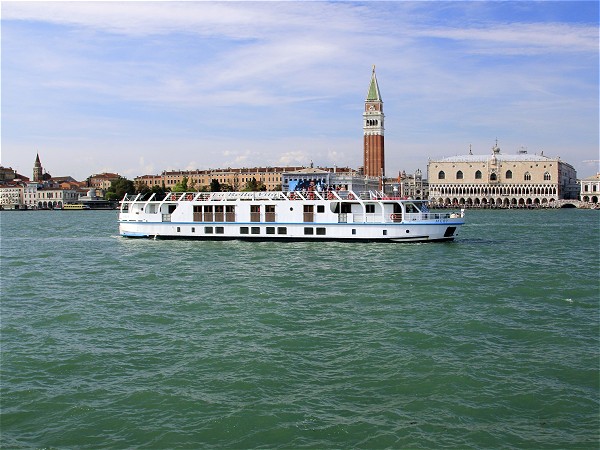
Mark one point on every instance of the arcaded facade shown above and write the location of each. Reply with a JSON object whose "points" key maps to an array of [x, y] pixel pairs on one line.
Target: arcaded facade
{"points": [[498, 180], [590, 189]]}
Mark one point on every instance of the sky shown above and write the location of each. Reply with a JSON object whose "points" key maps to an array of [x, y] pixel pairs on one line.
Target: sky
{"points": [[141, 87]]}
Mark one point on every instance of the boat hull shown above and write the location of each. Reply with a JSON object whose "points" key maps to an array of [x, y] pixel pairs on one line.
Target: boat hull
{"points": [[433, 232]]}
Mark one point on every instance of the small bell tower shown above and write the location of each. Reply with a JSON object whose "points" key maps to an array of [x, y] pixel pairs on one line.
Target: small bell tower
{"points": [[37, 169]]}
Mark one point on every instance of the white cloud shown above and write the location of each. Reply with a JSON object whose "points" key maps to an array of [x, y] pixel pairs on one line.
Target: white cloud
{"points": [[521, 38]]}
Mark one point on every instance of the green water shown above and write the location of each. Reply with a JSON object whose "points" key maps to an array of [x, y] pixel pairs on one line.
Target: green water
{"points": [[490, 341]]}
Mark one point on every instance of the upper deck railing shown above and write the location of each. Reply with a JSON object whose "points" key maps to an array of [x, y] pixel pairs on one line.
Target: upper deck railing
{"points": [[340, 195]]}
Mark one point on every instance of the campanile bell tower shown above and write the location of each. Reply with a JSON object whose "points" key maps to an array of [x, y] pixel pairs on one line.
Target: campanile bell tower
{"points": [[37, 169], [374, 160]]}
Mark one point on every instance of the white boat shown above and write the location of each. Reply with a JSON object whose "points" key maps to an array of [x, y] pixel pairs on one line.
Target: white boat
{"points": [[286, 216]]}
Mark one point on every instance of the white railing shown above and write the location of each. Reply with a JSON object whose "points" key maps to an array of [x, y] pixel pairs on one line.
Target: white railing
{"points": [[397, 217]]}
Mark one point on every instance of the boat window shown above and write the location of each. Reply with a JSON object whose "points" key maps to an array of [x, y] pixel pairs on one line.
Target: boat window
{"points": [[254, 213], [208, 230], [370, 208], [320, 208], [255, 230], [341, 208], [193, 230], [219, 230], [178, 229], [219, 213], [411, 208], [243, 230], [385, 232], [269, 213], [230, 213], [308, 230], [281, 230], [270, 230], [172, 208], [321, 231], [308, 213]]}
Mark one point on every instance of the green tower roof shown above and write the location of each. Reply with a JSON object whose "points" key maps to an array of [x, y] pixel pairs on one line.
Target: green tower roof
{"points": [[374, 94]]}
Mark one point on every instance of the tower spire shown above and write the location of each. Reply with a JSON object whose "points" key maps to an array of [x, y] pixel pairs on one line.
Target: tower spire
{"points": [[374, 95]]}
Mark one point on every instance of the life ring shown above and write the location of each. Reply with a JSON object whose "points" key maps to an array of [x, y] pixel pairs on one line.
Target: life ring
{"points": [[395, 216]]}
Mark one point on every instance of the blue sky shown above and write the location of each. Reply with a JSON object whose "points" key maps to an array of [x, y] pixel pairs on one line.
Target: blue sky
{"points": [[141, 87]]}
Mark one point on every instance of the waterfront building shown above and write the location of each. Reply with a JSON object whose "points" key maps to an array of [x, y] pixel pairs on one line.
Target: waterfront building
{"points": [[11, 195], [149, 180], [411, 185], [501, 180], [590, 189], [8, 174], [55, 197], [30, 195], [236, 179], [102, 181], [373, 130], [324, 178]]}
